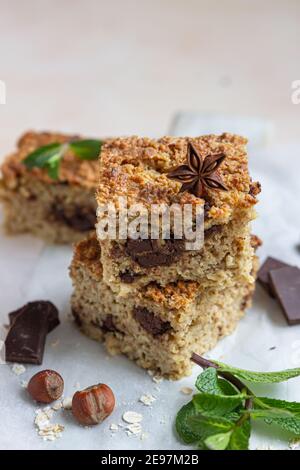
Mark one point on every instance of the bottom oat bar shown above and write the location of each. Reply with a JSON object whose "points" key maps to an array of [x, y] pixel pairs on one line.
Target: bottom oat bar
{"points": [[158, 327]]}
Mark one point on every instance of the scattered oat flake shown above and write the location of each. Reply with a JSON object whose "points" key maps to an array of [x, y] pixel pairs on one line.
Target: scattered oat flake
{"points": [[67, 403], [18, 369], [147, 399], [157, 379], [57, 406], [132, 417], [47, 430], [294, 444], [144, 436], [134, 428], [186, 390], [55, 343], [114, 427]]}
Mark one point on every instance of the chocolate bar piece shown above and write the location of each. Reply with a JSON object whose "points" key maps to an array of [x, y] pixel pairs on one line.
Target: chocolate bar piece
{"points": [[285, 284], [263, 274], [25, 341], [39, 306]]}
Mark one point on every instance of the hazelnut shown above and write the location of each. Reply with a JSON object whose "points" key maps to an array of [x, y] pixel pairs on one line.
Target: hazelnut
{"points": [[46, 386], [93, 404]]}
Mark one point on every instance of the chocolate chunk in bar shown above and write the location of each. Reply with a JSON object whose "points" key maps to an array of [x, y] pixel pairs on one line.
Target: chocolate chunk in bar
{"points": [[39, 307], [212, 230], [263, 274], [108, 324], [80, 219], [151, 253], [128, 277], [286, 287], [151, 323]]}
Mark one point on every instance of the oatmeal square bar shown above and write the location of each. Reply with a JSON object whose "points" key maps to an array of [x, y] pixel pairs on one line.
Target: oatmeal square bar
{"points": [[209, 171], [158, 327], [58, 210]]}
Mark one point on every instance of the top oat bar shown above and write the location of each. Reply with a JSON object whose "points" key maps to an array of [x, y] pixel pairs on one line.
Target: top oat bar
{"points": [[137, 169], [57, 210]]}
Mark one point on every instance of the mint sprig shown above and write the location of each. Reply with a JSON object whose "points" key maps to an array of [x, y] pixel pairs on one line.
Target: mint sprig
{"points": [[219, 417], [49, 156]]}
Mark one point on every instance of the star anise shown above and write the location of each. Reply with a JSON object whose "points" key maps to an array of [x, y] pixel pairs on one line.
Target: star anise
{"points": [[199, 173]]}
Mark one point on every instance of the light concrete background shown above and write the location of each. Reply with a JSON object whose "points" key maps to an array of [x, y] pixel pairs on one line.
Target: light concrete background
{"points": [[125, 66]]}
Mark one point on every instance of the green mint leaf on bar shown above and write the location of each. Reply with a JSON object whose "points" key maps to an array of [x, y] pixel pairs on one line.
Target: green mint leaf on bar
{"points": [[260, 377], [49, 156], [219, 416], [86, 149], [42, 155]]}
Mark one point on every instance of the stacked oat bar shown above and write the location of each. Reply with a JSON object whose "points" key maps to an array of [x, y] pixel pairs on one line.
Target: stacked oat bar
{"points": [[154, 299]]}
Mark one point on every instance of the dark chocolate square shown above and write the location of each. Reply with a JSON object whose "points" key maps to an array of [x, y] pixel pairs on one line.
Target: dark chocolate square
{"points": [[263, 274], [285, 284]]}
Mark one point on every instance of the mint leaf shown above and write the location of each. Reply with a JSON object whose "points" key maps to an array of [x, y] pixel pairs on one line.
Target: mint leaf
{"points": [[209, 382], [218, 441], [259, 377], [240, 436], [42, 155], [283, 413], [205, 426], [183, 424], [52, 166], [86, 149], [216, 405]]}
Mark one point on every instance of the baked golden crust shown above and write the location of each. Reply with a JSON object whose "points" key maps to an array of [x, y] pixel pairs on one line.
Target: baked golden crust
{"points": [[137, 168], [173, 296], [72, 170]]}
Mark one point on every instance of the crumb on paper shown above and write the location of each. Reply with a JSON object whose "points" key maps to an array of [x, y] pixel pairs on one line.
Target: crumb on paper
{"points": [[24, 383], [186, 390], [156, 378], [47, 430], [294, 443], [144, 436], [134, 428], [132, 417], [57, 406], [77, 385], [67, 403], [114, 427], [55, 343], [147, 399], [272, 348], [18, 369]]}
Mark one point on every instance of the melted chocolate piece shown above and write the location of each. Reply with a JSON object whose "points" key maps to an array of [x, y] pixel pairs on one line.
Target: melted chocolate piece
{"points": [[25, 341], [152, 253], [151, 323], [80, 219]]}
